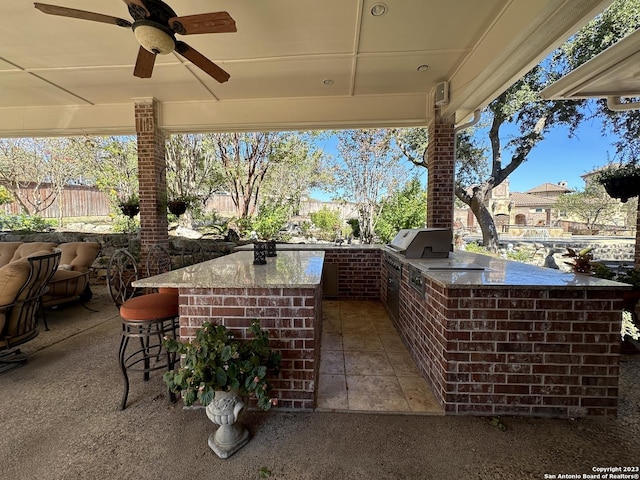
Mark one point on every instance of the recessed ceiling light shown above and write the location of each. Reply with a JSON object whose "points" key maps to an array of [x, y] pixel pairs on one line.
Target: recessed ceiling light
{"points": [[378, 9], [327, 82], [423, 68]]}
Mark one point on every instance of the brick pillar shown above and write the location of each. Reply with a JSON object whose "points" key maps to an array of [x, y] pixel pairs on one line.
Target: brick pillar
{"points": [[441, 165], [152, 179]]}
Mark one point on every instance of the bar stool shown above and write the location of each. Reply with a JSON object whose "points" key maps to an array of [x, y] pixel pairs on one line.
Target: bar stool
{"points": [[146, 317]]}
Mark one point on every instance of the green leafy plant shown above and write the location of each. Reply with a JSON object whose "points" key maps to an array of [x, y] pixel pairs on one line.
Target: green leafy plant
{"points": [[131, 200], [582, 260], [25, 223], [328, 221], [215, 360], [475, 247], [5, 195], [612, 171], [270, 220]]}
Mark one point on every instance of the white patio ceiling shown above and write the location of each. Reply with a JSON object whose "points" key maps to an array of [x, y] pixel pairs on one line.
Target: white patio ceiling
{"points": [[67, 76], [613, 73]]}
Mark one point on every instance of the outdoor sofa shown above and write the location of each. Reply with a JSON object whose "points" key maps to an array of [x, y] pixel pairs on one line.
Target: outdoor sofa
{"points": [[71, 280]]}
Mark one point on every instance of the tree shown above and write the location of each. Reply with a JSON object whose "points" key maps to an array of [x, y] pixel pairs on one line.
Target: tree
{"points": [[193, 171], [246, 159], [591, 206], [619, 20], [36, 170], [115, 166], [299, 170], [520, 106], [406, 208], [368, 170]]}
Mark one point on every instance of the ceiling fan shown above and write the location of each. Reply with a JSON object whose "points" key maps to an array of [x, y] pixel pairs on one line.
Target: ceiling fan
{"points": [[155, 26]]}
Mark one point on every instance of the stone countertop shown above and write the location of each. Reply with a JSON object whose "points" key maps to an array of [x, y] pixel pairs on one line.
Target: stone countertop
{"points": [[472, 269], [290, 269], [314, 247]]}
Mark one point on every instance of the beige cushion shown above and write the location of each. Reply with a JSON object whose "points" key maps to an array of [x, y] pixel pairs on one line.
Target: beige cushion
{"points": [[13, 276], [28, 249], [79, 255], [7, 249]]}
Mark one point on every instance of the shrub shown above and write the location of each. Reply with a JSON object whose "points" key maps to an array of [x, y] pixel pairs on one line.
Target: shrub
{"points": [[25, 223], [270, 220], [328, 221]]}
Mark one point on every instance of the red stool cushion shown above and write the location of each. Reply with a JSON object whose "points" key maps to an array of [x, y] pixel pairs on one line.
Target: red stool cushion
{"points": [[150, 307]]}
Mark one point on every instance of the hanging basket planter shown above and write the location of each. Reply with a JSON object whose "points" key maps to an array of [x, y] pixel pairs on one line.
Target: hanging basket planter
{"points": [[129, 210], [624, 187], [177, 207]]}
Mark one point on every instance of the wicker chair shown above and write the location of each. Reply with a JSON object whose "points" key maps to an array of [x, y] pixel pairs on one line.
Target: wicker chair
{"points": [[146, 317]]}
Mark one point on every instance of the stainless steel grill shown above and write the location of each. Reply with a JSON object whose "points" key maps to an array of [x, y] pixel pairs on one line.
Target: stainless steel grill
{"points": [[423, 242]]}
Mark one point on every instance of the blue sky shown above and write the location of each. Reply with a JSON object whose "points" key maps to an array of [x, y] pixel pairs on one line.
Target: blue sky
{"points": [[557, 158]]}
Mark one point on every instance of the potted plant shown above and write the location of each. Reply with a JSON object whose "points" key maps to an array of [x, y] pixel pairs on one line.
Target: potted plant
{"points": [[621, 181], [222, 373], [130, 206], [582, 260], [177, 206]]}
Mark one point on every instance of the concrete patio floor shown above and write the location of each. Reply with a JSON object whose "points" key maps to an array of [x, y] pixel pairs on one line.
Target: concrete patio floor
{"points": [[60, 420]]}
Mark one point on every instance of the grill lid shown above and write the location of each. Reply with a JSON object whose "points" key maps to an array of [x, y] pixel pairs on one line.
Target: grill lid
{"points": [[423, 242]]}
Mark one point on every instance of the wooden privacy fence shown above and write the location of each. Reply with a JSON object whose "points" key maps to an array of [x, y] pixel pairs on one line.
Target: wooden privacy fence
{"points": [[85, 201], [76, 201]]}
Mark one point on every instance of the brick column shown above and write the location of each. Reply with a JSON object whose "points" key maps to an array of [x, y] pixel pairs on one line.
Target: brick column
{"points": [[151, 175], [441, 165]]}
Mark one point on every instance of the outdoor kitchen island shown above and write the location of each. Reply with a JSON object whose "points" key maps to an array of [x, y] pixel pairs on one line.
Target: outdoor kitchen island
{"points": [[285, 294], [496, 337]]}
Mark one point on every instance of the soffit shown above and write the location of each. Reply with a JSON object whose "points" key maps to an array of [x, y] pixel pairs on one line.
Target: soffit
{"points": [[68, 76], [614, 72]]}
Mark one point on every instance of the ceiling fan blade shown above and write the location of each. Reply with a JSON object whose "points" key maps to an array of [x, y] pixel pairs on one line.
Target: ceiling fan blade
{"points": [[137, 9], [144, 63], [214, 22], [202, 62], [81, 14]]}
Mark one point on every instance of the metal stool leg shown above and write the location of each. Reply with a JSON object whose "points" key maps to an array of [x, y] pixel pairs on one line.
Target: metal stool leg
{"points": [[140, 359], [123, 348]]}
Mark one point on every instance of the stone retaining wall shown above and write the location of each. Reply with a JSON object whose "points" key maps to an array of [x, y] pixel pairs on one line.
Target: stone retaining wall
{"points": [[110, 242]]}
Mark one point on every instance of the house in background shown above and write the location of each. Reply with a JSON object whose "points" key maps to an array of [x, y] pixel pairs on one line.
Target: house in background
{"points": [[533, 208]]}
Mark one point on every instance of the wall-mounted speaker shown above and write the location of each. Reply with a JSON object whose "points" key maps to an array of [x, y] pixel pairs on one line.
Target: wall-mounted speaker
{"points": [[442, 94]]}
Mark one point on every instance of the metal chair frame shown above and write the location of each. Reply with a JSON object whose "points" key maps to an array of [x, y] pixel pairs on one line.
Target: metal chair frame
{"points": [[158, 260], [27, 305], [122, 270], [192, 253]]}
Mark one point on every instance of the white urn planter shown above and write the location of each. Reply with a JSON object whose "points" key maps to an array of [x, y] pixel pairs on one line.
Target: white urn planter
{"points": [[225, 410]]}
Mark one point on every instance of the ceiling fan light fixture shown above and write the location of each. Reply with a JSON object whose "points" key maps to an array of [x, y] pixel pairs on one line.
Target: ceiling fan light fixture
{"points": [[154, 38]]}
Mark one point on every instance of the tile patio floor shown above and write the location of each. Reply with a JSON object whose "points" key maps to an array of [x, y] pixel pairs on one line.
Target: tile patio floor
{"points": [[364, 365]]}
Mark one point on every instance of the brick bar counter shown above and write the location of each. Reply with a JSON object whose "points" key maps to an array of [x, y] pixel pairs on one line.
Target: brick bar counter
{"points": [[285, 295], [496, 337]]}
